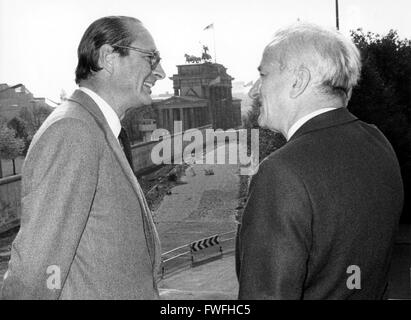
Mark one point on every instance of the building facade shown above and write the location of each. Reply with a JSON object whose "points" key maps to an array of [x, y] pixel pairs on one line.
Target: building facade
{"points": [[18, 101], [191, 111], [211, 82], [202, 96]]}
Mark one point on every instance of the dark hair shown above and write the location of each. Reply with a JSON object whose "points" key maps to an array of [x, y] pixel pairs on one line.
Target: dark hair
{"points": [[108, 30]]}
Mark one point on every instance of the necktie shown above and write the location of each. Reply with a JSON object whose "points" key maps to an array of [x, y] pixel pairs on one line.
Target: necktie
{"points": [[125, 142]]}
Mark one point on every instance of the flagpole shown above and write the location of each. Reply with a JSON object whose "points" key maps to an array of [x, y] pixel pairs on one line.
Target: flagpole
{"points": [[337, 15], [211, 26]]}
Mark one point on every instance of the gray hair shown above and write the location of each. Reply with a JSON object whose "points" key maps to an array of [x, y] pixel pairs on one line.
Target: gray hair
{"points": [[333, 60]]}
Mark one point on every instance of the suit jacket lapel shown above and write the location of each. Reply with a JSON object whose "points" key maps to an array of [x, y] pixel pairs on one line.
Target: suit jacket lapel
{"points": [[325, 120], [152, 237], [87, 103]]}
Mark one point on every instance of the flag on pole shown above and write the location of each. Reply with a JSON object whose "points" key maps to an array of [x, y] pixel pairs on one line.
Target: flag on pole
{"points": [[210, 26]]}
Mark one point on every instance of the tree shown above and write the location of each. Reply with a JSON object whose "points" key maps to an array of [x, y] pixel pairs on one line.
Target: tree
{"points": [[20, 126], [40, 113], [383, 96], [10, 146], [34, 116]]}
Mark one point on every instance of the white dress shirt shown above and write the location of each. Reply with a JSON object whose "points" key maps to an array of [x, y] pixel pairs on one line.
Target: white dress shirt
{"points": [[108, 112], [297, 125]]}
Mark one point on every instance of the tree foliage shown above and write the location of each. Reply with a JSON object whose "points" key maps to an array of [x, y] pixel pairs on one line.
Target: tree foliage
{"points": [[20, 127], [383, 96], [34, 116], [10, 146]]}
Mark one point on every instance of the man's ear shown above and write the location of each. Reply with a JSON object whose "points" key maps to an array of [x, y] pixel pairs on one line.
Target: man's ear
{"points": [[302, 78], [106, 58]]}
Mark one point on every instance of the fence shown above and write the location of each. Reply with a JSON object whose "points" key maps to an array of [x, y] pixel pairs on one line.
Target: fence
{"points": [[10, 208], [195, 253], [6, 167]]}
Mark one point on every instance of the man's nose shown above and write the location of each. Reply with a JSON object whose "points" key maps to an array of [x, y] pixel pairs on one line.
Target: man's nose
{"points": [[254, 92], [159, 72]]}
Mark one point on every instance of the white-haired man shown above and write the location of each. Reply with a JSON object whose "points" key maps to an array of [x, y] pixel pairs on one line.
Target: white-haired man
{"points": [[323, 210]]}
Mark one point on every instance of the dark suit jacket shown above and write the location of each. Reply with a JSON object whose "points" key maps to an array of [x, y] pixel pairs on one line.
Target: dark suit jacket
{"points": [[329, 199], [82, 211]]}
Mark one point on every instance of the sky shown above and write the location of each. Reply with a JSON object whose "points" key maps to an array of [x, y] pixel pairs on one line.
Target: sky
{"points": [[39, 38]]}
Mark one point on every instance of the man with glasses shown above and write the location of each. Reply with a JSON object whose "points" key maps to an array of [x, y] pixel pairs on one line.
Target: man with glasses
{"points": [[86, 230], [323, 210]]}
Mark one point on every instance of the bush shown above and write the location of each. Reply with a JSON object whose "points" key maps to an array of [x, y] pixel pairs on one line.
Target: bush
{"points": [[383, 95]]}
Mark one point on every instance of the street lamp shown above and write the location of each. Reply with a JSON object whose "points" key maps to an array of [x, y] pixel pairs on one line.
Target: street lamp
{"points": [[337, 15]]}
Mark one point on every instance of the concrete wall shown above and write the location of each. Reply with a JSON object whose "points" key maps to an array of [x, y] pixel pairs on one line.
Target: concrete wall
{"points": [[142, 158], [10, 187]]}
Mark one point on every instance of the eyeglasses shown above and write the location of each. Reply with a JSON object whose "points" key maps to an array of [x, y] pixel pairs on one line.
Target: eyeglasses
{"points": [[153, 55]]}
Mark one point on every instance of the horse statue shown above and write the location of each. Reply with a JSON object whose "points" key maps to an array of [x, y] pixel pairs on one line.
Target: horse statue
{"points": [[206, 57], [192, 59]]}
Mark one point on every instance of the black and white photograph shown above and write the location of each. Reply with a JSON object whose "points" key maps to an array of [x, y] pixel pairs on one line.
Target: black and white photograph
{"points": [[223, 151]]}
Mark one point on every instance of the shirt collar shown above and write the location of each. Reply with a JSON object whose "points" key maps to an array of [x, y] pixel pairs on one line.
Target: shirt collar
{"points": [[297, 125], [108, 112]]}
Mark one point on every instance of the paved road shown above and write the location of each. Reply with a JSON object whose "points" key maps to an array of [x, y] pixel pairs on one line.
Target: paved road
{"points": [[203, 205], [212, 281]]}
